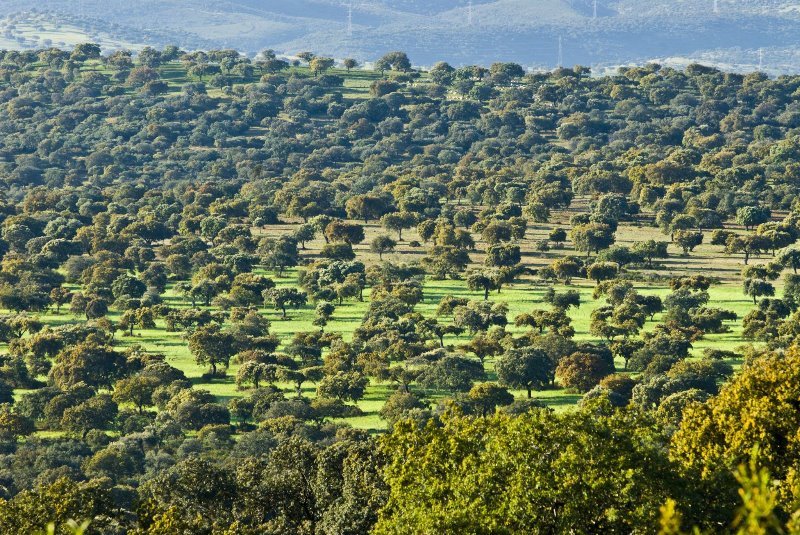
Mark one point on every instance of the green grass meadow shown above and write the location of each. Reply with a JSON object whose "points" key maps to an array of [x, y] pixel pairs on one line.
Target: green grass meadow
{"points": [[524, 295]]}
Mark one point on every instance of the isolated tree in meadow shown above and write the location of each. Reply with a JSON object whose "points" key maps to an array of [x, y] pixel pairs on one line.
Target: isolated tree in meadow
{"points": [[137, 390], [601, 271], [681, 222], [321, 64], [566, 268], [503, 255], [751, 244], [756, 288], [366, 207], [398, 221], [199, 70], [280, 253], [397, 61], [205, 290], [558, 236], [777, 237], [442, 73], [382, 245], [254, 373], [751, 216], [247, 289], [179, 266], [60, 296], [426, 229], [346, 386], [304, 233], [306, 56], [338, 251], [142, 75], [481, 281], [464, 218], [625, 348], [538, 211], [283, 298], [272, 65], [342, 231], [556, 321], [526, 368], [485, 344], [505, 72], [351, 287], [85, 51], [96, 308], [496, 232], [133, 317], [688, 240], [562, 300], [212, 346], [771, 271], [453, 373], [323, 313], [299, 377], [350, 64], [443, 261], [266, 54], [149, 57], [789, 257], [650, 250], [127, 285], [77, 304], [698, 283], [592, 237]]}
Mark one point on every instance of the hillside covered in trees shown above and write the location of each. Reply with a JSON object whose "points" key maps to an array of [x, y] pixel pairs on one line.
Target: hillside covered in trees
{"points": [[254, 296]]}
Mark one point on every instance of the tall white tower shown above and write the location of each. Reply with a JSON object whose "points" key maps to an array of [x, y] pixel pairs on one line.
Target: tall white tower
{"points": [[716, 6], [560, 52], [350, 19], [595, 10], [469, 13]]}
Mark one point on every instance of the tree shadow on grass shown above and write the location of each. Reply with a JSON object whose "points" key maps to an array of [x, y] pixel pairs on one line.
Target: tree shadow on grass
{"points": [[566, 399]]}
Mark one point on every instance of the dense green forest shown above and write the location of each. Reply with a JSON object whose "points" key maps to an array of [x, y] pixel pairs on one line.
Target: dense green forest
{"points": [[270, 296]]}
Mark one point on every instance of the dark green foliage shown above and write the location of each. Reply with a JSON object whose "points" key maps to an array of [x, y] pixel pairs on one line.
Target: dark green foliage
{"points": [[527, 368], [162, 207]]}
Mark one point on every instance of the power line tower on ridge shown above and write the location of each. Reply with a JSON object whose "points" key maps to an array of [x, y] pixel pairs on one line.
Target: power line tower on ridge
{"points": [[560, 52], [350, 19]]}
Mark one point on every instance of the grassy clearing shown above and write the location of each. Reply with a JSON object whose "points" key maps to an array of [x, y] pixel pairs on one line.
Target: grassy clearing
{"points": [[523, 296], [43, 30]]}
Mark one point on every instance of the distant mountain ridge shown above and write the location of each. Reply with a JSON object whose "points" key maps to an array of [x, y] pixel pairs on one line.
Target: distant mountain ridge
{"points": [[459, 31]]}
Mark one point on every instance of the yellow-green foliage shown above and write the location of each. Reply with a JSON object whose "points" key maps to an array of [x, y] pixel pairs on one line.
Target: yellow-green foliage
{"points": [[760, 407], [537, 473]]}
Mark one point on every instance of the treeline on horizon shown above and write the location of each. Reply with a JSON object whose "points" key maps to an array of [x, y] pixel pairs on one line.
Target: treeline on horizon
{"points": [[130, 180]]}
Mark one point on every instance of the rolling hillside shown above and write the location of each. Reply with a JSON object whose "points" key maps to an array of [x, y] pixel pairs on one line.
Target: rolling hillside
{"points": [[526, 31]]}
